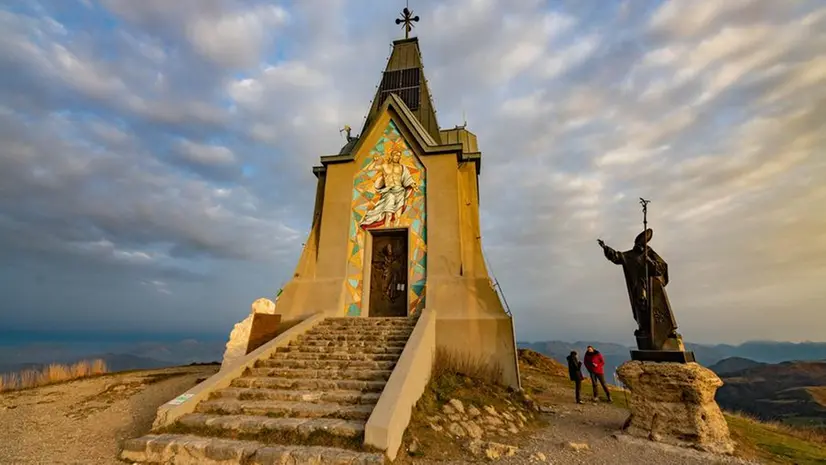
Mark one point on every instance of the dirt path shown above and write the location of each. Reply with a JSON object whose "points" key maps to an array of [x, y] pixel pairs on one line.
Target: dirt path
{"points": [[597, 425], [83, 422]]}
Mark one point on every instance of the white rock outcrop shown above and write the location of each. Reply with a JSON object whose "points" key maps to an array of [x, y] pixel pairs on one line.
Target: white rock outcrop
{"points": [[240, 336]]}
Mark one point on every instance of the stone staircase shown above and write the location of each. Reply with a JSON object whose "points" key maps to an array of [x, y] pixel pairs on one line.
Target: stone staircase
{"points": [[307, 404]]}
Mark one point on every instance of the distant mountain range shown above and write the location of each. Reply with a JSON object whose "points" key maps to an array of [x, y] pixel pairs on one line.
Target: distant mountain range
{"points": [[792, 392], [733, 365], [118, 357], [707, 355]]}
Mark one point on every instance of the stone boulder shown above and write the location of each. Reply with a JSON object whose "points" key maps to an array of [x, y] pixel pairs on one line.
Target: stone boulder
{"points": [[674, 403], [491, 450], [240, 336]]}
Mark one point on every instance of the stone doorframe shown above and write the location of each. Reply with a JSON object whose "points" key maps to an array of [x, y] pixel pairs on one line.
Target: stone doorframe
{"points": [[367, 269]]}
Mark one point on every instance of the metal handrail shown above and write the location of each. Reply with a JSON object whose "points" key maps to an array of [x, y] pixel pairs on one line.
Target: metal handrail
{"points": [[496, 286]]}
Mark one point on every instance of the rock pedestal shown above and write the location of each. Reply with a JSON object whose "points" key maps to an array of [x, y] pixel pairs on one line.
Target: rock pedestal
{"points": [[674, 403]]}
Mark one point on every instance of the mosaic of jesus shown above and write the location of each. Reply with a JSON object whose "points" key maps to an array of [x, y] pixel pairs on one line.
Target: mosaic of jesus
{"points": [[393, 184]]}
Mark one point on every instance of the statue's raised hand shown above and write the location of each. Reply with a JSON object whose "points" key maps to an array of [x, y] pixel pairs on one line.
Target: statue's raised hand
{"points": [[601, 244]]}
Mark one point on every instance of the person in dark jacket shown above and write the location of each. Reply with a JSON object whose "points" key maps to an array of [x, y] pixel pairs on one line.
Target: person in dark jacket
{"points": [[575, 373], [595, 365]]}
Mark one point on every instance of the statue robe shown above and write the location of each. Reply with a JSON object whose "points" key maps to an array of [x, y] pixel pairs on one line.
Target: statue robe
{"points": [[633, 265]]}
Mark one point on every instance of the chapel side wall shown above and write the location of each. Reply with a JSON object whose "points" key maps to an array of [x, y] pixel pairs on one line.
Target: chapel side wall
{"points": [[458, 285], [471, 322], [444, 243], [473, 260], [317, 284], [332, 250]]}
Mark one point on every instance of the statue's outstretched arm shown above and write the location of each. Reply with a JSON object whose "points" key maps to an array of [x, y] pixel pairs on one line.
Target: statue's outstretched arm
{"points": [[611, 254]]}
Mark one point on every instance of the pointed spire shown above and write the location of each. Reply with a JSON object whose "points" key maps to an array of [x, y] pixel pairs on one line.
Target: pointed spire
{"points": [[404, 76]]}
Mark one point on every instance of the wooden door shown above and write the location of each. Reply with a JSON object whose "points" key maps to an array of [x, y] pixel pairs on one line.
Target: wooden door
{"points": [[388, 274]]}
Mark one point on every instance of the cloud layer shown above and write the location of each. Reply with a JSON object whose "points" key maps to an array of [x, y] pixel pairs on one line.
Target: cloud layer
{"points": [[155, 156]]}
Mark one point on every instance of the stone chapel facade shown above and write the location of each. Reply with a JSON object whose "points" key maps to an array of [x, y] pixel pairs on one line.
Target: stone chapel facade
{"points": [[396, 229]]}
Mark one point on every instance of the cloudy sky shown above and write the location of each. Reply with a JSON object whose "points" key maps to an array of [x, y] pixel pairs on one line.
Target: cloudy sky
{"points": [[155, 156]]}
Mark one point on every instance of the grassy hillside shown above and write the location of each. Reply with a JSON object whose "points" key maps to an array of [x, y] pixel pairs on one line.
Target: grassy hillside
{"points": [[776, 443], [818, 393], [791, 392]]}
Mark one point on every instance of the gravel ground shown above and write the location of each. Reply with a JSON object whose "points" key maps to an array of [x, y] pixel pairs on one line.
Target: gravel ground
{"points": [[83, 422], [597, 425]]}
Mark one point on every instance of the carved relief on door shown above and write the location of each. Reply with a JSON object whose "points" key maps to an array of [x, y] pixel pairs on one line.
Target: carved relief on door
{"points": [[388, 275]]}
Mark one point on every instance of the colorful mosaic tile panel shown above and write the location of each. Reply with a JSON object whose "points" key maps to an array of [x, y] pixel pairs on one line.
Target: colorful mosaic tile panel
{"points": [[382, 207]]}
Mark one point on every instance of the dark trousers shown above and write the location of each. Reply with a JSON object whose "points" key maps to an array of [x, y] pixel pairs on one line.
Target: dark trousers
{"points": [[601, 378], [577, 387]]}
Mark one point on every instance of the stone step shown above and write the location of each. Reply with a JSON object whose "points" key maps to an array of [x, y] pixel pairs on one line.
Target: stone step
{"points": [[254, 425], [308, 384], [296, 355], [185, 449], [359, 323], [351, 321], [397, 350], [276, 408], [326, 364], [343, 331], [353, 337], [339, 397], [356, 329], [312, 373], [346, 345]]}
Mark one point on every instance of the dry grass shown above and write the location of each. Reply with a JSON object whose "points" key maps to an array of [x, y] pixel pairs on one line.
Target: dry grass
{"points": [[50, 374], [449, 363], [805, 433]]}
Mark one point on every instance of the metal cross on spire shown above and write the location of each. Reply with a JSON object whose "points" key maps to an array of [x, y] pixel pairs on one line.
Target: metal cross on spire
{"points": [[407, 19]]}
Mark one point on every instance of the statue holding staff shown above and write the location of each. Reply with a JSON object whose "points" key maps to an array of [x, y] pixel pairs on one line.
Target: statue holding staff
{"points": [[646, 275]]}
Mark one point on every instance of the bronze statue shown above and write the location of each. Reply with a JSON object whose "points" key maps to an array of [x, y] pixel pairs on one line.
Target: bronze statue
{"points": [[657, 337]]}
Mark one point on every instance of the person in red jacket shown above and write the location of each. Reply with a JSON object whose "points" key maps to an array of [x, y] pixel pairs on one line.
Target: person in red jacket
{"points": [[595, 365]]}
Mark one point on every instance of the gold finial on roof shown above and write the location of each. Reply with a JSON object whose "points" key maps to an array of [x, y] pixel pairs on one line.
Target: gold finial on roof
{"points": [[407, 19]]}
